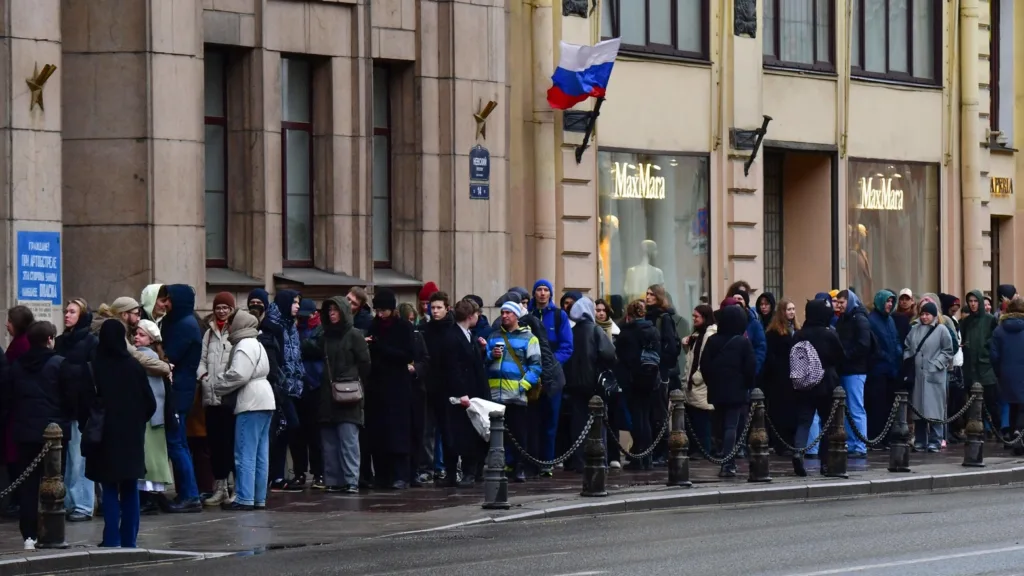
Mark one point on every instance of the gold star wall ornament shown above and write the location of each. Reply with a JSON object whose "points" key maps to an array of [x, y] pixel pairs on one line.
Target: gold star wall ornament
{"points": [[36, 84], [481, 118]]}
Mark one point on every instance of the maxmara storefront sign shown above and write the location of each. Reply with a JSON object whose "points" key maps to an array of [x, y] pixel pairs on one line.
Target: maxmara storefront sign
{"points": [[879, 194], [639, 181]]}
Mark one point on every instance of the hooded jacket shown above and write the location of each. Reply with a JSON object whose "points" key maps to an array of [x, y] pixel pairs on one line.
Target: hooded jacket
{"points": [[280, 313], [310, 329], [888, 358], [148, 302], [552, 376], [592, 353], [977, 329], [817, 331], [765, 320], [559, 333], [343, 350], [1007, 360], [855, 333], [38, 391], [634, 337], [213, 361], [727, 360], [1005, 292], [511, 377], [755, 333], [183, 344]]}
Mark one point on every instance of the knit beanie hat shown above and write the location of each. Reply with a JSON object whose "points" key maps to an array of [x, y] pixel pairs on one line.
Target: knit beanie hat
{"points": [[150, 328], [306, 308], [428, 290], [225, 298], [124, 304], [385, 299], [513, 307], [929, 308]]}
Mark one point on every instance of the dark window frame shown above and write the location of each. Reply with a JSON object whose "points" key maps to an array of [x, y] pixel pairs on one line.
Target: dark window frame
{"points": [[995, 15], [906, 78], [221, 121], [649, 49], [773, 60], [386, 133], [286, 127], [773, 206]]}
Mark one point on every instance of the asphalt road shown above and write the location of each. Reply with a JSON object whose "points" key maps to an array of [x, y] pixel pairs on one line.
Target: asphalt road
{"points": [[974, 532]]}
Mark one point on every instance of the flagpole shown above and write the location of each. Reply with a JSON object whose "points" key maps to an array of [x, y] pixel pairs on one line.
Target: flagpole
{"points": [[590, 130]]}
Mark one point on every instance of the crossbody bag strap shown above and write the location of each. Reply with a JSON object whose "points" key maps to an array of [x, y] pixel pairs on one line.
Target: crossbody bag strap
{"points": [[925, 339], [508, 346]]}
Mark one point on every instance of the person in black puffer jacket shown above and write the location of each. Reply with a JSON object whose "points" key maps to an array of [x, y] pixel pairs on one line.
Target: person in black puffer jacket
{"points": [[817, 331], [640, 386], [729, 368]]}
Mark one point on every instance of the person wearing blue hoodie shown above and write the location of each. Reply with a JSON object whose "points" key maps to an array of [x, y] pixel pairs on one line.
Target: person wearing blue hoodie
{"points": [[755, 331], [882, 381], [556, 323], [283, 312], [855, 333], [306, 447], [183, 346]]}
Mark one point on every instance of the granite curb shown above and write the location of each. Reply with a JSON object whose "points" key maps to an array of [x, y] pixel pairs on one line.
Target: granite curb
{"points": [[818, 489], [56, 561]]}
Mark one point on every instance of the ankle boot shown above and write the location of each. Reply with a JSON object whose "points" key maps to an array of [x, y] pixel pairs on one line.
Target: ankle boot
{"points": [[220, 494]]}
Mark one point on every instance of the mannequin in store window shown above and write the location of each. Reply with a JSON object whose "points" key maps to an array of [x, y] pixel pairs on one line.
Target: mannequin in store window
{"points": [[609, 226], [859, 257], [644, 274]]}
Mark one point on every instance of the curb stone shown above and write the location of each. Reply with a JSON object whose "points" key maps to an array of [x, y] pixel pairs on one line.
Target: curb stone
{"points": [[91, 559], [812, 490]]}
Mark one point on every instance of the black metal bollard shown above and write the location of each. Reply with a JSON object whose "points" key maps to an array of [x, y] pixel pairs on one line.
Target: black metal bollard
{"points": [[837, 437], [595, 472], [495, 483], [51, 492], [974, 447], [899, 437], [758, 441], [678, 443]]}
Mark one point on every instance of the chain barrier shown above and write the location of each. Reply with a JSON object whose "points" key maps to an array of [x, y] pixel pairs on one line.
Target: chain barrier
{"points": [[1018, 439], [802, 451], [885, 431], [741, 441], [549, 463], [949, 420], [28, 471], [650, 449]]}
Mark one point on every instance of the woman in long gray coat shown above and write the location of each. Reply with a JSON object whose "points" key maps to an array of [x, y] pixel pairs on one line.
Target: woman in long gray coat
{"points": [[931, 347]]}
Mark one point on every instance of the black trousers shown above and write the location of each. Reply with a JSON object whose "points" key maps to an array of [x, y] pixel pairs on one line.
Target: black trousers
{"points": [[517, 422], [640, 406], [806, 405], [992, 402], [879, 394], [659, 414], [417, 429], [304, 441], [28, 519], [578, 410], [220, 436]]}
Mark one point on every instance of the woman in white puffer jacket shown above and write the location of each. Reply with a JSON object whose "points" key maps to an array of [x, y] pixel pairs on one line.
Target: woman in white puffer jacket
{"points": [[246, 379]]}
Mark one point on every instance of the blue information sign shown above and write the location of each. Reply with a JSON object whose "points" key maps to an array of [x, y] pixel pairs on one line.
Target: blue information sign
{"points": [[39, 267], [479, 173]]}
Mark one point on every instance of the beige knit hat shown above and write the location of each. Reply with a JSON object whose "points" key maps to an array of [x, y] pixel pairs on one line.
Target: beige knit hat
{"points": [[124, 304], [150, 327]]}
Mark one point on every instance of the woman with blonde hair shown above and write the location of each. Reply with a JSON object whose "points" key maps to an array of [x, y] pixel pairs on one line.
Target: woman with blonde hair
{"points": [[780, 398]]}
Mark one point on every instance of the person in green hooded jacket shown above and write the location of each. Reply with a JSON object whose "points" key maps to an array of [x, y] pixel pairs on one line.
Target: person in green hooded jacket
{"points": [[976, 328]]}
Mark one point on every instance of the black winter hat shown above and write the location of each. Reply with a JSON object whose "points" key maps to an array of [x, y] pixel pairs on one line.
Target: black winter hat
{"points": [[384, 299]]}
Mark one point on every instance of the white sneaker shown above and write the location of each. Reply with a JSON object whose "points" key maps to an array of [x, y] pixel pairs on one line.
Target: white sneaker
{"points": [[30, 544], [615, 465]]}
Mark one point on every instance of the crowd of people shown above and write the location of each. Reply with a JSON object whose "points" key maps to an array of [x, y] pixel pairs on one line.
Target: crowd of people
{"points": [[367, 394]]}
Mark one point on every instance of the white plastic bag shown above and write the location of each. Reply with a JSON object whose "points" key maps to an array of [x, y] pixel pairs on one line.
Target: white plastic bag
{"points": [[479, 412]]}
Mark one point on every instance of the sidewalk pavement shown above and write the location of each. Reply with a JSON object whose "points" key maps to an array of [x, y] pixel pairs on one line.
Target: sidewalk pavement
{"points": [[314, 518]]}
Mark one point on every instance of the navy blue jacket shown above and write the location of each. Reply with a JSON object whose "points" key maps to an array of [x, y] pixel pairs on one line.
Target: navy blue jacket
{"points": [[1007, 361], [888, 357], [183, 344], [755, 333]]}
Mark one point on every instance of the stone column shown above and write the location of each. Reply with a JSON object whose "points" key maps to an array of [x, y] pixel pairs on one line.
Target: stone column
{"points": [[133, 146], [30, 141]]}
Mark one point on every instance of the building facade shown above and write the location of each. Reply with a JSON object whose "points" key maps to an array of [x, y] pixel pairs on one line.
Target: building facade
{"points": [[322, 144]]}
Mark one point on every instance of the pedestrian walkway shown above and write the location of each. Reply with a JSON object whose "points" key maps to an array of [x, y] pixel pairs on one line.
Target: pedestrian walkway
{"points": [[316, 518]]}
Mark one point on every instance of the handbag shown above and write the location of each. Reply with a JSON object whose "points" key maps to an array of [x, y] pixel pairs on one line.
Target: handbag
{"points": [[345, 390], [909, 369], [92, 432]]}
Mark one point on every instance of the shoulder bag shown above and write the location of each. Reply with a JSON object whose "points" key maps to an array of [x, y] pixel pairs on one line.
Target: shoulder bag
{"points": [[345, 390], [92, 433]]}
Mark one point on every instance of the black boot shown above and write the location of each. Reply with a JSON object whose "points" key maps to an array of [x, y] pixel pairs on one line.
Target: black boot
{"points": [[798, 466]]}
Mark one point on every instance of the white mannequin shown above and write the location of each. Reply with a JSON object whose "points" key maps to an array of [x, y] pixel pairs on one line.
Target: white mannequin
{"points": [[643, 275]]}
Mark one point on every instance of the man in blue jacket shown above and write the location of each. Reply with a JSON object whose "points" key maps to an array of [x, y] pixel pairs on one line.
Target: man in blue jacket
{"points": [[855, 333], [755, 331], [183, 345], [880, 388], [556, 323]]}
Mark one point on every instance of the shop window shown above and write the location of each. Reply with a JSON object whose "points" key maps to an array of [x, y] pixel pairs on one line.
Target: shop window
{"points": [[893, 227], [773, 228], [381, 168], [654, 226], [216, 145], [1001, 73], [897, 40], [297, 161], [666, 27], [799, 34]]}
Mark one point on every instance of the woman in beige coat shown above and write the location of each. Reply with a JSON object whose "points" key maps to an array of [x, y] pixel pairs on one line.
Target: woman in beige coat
{"points": [[697, 407], [220, 419]]}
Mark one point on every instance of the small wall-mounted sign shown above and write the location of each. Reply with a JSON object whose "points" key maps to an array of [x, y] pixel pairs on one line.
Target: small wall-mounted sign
{"points": [[1001, 187], [479, 173]]}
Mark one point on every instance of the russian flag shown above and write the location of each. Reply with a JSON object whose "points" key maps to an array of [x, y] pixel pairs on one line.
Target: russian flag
{"points": [[583, 71]]}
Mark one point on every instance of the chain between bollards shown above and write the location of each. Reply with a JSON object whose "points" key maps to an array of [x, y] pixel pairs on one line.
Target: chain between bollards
{"points": [[899, 441], [595, 471], [757, 442], [51, 491], [678, 443], [495, 482], [836, 465]]}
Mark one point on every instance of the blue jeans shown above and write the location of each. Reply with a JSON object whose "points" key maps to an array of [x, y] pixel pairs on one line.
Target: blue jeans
{"points": [[812, 433], [854, 386], [81, 492], [926, 435], [120, 514], [551, 409], [181, 460], [252, 457]]}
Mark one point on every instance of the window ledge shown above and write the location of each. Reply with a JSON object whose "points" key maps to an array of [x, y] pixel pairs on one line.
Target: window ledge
{"points": [[637, 56], [1000, 149], [898, 83], [317, 277], [783, 70], [229, 277], [394, 279]]}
